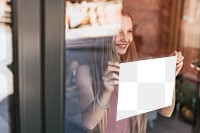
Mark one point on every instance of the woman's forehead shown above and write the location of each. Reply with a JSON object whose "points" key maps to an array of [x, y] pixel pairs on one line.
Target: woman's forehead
{"points": [[126, 17], [126, 22]]}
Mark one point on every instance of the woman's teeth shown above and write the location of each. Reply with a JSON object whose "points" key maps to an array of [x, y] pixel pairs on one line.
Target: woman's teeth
{"points": [[122, 45]]}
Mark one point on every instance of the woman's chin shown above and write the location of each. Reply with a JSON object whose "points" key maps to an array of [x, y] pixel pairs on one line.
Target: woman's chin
{"points": [[121, 52]]}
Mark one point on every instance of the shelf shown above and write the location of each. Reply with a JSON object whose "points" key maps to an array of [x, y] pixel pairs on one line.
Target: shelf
{"points": [[91, 32], [87, 42]]}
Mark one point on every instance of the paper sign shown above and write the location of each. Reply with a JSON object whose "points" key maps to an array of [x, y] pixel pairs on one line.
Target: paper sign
{"points": [[145, 86]]}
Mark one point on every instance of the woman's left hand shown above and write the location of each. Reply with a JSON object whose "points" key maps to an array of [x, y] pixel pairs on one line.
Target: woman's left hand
{"points": [[179, 61]]}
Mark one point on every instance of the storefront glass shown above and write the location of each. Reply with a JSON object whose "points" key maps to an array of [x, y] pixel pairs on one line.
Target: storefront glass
{"points": [[6, 74], [156, 33]]}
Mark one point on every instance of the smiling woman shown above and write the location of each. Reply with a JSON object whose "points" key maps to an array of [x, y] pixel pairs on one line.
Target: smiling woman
{"points": [[98, 90], [124, 37]]}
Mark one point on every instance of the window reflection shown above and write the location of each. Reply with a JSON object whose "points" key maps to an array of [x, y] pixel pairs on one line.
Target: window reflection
{"points": [[6, 75], [154, 36]]}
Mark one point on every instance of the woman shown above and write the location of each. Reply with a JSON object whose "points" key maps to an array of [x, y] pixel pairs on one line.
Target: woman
{"points": [[98, 80]]}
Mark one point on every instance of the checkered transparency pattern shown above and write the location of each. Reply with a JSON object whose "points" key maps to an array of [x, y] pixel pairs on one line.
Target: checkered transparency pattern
{"points": [[145, 86]]}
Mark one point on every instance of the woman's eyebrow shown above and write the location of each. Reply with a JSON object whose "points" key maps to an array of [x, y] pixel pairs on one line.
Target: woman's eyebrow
{"points": [[131, 29], [119, 30]]}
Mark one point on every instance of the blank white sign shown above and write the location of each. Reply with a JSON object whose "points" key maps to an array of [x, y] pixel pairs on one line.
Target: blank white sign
{"points": [[145, 86]]}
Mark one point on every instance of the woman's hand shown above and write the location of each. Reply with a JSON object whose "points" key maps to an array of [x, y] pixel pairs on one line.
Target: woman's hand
{"points": [[111, 76], [179, 61]]}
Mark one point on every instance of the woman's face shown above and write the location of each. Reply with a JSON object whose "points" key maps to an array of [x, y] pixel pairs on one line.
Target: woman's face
{"points": [[124, 36]]}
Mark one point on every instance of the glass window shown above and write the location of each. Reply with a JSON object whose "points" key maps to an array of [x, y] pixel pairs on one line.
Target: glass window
{"points": [[6, 75], [102, 34]]}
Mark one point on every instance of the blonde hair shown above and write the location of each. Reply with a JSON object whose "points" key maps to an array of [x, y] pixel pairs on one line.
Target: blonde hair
{"points": [[101, 54]]}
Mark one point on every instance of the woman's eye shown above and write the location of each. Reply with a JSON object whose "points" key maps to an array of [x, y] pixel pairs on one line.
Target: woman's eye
{"points": [[130, 31], [120, 32]]}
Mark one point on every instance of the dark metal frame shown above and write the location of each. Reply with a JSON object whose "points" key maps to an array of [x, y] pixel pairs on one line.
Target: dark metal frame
{"points": [[38, 42], [54, 58], [27, 36]]}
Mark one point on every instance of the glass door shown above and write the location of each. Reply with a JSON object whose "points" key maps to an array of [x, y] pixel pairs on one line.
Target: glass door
{"points": [[89, 24], [6, 69], [190, 43], [157, 32]]}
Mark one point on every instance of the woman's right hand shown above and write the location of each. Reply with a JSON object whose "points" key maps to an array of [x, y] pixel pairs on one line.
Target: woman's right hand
{"points": [[111, 76]]}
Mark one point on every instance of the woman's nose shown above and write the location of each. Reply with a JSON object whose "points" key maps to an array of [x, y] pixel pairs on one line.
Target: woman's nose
{"points": [[124, 38]]}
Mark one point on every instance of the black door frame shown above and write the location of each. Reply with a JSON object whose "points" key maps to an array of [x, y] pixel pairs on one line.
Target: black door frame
{"points": [[39, 46], [27, 36], [54, 59]]}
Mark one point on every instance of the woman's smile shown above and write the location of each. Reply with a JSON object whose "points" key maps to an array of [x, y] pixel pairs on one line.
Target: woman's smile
{"points": [[123, 45]]}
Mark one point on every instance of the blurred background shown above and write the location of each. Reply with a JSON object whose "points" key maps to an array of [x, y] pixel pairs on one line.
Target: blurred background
{"points": [[28, 29]]}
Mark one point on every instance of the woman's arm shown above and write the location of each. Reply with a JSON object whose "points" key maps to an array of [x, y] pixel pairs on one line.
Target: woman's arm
{"points": [[167, 111], [91, 111]]}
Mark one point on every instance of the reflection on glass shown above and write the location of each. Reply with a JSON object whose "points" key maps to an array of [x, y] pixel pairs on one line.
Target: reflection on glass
{"points": [[6, 76], [87, 24], [93, 38], [190, 41]]}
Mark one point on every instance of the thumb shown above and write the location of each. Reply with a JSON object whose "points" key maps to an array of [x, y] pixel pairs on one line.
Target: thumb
{"points": [[174, 53]]}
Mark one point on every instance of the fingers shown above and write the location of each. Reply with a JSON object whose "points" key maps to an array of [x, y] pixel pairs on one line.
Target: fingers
{"points": [[111, 83], [111, 76], [174, 53], [178, 55], [179, 60], [116, 64], [178, 68], [179, 65], [112, 67]]}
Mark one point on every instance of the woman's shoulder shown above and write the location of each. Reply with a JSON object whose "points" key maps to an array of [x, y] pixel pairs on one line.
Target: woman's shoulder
{"points": [[83, 69], [83, 74]]}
